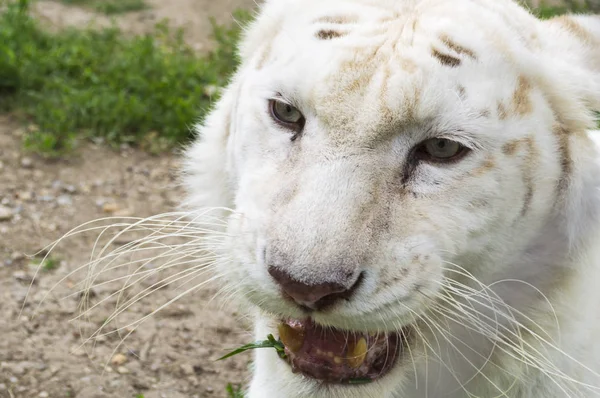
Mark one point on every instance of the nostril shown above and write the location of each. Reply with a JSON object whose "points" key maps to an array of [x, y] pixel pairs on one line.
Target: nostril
{"points": [[312, 296], [345, 295]]}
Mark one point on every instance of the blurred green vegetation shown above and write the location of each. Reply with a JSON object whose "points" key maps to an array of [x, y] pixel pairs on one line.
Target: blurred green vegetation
{"points": [[234, 391], [110, 7], [546, 11], [146, 90]]}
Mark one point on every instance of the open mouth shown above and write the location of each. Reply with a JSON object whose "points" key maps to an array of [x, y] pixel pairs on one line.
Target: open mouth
{"points": [[338, 356]]}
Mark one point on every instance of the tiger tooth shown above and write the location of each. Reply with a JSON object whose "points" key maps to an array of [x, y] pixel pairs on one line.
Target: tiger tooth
{"points": [[357, 353], [293, 339]]}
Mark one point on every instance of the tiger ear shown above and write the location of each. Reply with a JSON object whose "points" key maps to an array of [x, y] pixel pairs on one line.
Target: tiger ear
{"points": [[573, 44], [567, 69], [586, 30], [205, 173]]}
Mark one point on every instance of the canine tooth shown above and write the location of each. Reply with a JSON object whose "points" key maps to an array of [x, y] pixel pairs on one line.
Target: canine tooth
{"points": [[357, 353], [291, 338]]}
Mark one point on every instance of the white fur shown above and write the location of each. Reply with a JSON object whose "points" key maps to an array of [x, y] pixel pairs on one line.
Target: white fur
{"points": [[335, 193]]}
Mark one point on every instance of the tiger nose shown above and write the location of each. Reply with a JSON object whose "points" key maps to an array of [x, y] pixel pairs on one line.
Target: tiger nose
{"points": [[312, 296]]}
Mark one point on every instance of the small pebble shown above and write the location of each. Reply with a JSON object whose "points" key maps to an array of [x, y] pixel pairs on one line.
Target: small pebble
{"points": [[25, 195], [64, 200], [123, 213], [115, 383], [85, 188], [26, 163], [78, 351], [5, 213], [110, 207], [118, 359], [16, 256], [43, 394], [123, 370], [187, 369], [50, 227], [70, 189], [22, 276]]}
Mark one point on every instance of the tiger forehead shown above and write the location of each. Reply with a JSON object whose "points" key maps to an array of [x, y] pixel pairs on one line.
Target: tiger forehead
{"points": [[380, 85], [369, 70], [359, 27]]}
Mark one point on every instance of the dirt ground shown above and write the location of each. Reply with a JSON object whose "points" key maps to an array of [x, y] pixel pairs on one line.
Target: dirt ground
{"points": [[173, 353], [193, 15]]}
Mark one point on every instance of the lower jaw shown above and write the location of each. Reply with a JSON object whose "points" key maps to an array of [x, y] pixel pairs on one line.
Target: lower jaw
{"points": [[336, 356]]}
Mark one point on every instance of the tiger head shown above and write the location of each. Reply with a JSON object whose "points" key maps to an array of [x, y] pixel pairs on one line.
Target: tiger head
{"points": [[382, 158]]}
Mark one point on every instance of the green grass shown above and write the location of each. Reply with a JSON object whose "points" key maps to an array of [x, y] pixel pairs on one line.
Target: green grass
{"points": [[77, 84], [50, 264], [110, 7], [545, 11], [46, 264], [234, 391]]}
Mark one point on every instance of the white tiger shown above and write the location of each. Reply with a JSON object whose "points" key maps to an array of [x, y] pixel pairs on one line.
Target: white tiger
{"points": [[414, 196]]}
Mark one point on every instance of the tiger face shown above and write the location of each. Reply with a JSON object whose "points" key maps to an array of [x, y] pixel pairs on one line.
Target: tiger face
{"points": [[384, 161]]}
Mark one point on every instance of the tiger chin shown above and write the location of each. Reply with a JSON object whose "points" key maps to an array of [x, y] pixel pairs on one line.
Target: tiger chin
{"points": [[413, 198]]}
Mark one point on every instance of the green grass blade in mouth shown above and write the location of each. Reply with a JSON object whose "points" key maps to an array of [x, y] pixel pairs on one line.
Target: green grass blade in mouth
{"points": [[271, 342], [361, 380]]}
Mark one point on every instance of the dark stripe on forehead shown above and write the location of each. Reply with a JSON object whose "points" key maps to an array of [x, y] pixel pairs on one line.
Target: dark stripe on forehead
{"points": [[328, 34], [445, 59], [457, 47], [452, 57]]}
